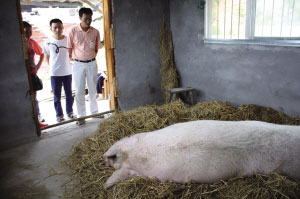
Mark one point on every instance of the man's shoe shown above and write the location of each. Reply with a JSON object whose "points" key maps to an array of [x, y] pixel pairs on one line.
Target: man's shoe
{"points": [[43, 125], [71, 115], [60, 119], [41, 119], [99, 96], [80, 122]]}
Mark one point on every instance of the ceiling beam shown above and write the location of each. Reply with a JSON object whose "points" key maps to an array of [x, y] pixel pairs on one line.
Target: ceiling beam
{"points": [[62, 3], [52, 3], [92, 5]]}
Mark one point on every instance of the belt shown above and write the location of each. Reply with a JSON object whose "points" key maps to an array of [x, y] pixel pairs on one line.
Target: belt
{"points": [[85, 61]]}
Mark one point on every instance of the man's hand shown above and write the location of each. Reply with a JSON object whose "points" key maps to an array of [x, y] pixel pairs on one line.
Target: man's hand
{"points": [[70, 53], [40, 62]]}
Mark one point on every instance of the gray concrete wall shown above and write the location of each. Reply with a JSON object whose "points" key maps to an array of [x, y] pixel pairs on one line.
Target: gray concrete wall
{"points": [[240, 74], [16, 121], [137, 25]]}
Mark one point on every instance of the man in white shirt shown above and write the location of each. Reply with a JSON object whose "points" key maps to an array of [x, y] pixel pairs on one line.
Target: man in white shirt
{"points": [[57, 56]]}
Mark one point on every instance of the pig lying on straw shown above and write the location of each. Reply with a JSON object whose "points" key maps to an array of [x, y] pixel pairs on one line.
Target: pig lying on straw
{"points": [[207, 151]]}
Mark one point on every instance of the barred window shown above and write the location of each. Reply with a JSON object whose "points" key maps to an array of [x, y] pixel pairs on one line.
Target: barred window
{"points": [[275, 22]]}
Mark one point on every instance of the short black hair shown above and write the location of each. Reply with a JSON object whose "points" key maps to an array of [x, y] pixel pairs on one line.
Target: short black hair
{"points": [[84, 10], [55, 21], [26, 24]]}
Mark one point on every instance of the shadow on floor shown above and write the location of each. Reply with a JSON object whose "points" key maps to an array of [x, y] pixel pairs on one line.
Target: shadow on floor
{"points": [[37, 170]]}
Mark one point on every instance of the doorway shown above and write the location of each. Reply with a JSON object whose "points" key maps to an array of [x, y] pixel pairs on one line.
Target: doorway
{"points": [[39, 15]]}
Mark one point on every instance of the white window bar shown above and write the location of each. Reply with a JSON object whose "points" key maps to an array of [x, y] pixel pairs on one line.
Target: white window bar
{"points": [[248, 21], [231, 19], [225, 18], [207, 21], [288, 11], [252, 19], [272, 18], [292, 18], [239, 19], [263, 22], [283, 4], [218, 19]]}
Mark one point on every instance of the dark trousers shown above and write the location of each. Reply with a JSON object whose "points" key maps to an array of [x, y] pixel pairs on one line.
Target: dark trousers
{"points": [[57, 82], [37, 107], [100, 80]]}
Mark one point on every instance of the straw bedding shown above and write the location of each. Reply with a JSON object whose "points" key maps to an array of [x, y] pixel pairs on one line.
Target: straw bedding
{"points": [[91, 173], [168, 72]]}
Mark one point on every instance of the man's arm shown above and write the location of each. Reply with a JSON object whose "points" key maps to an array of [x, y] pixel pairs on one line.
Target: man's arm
{"points": [[40, 62], [47, 58], [98, 43], [70, 53], [70, 43], [39, 51]]}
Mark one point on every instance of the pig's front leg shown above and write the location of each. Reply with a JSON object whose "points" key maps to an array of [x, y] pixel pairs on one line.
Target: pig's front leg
{"points": [[117, 176]]}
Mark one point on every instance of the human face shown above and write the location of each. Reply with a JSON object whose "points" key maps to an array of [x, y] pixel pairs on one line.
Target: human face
{"points": [[86, 21], [27, 32], [57, 29]]}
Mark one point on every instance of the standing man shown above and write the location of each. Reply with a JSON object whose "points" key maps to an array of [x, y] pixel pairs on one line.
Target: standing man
{"points": [[83, 45], [57, 57]]}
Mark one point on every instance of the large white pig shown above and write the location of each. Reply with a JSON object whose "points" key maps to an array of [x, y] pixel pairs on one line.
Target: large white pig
{"points": [[207, 151]]}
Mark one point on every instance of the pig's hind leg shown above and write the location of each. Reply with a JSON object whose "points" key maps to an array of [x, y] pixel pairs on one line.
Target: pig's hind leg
{"points": [[117, 176]]}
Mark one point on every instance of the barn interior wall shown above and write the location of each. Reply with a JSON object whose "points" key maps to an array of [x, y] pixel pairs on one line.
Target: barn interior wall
{"points": [[240, 74], [137, 25], [16, 121]]}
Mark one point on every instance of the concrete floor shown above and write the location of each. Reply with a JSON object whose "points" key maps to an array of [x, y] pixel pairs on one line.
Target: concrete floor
{"points": [[36, 170]]}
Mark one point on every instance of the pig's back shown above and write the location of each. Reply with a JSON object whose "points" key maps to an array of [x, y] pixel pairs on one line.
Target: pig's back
{"points": [[206, 151], [221, 134]]}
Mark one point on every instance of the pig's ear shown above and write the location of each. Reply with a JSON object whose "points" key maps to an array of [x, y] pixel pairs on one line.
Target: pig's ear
{"points": [[116, 147], [117, 176], [112, 151]]}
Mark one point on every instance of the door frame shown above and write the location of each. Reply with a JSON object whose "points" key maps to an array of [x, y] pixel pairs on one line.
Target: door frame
{"points": [[110, 62], [27, 65], [109, 52]]}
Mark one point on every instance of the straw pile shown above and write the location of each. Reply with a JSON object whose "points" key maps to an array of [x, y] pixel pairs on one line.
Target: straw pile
{"points": [[168, 73], [91, 172]]}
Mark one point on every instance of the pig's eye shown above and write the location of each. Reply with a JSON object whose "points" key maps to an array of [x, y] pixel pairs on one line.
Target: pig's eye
{"points": [[113, 158]]}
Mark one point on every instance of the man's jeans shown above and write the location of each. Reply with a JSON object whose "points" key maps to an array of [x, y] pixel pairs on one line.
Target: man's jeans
{"points": [[57, 82], [37, 107]]}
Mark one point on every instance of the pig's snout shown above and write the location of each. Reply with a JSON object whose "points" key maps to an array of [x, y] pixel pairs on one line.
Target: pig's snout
{"points": [[110, 160]]}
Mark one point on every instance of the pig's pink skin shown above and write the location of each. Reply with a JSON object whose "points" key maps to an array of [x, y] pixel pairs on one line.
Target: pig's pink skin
{"points": [[207, 151]]}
